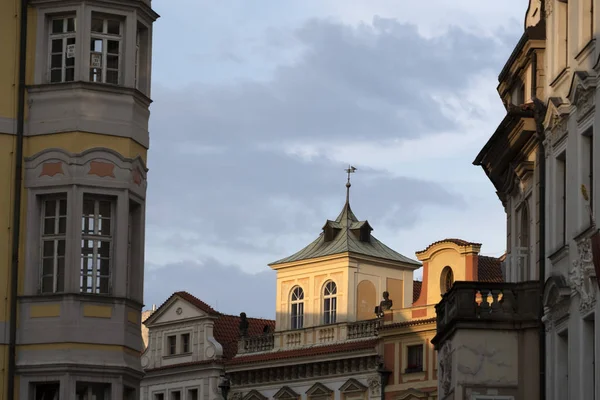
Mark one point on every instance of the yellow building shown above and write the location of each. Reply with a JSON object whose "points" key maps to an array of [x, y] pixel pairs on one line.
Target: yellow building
{"points": [[74, 98]]}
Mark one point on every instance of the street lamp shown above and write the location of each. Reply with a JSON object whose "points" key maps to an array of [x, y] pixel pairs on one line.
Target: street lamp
{"points": [[384, 375]]}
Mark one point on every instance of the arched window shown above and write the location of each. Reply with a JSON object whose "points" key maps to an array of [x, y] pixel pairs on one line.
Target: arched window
{"points": [[329, 302], [297, 307], [447, 279]]}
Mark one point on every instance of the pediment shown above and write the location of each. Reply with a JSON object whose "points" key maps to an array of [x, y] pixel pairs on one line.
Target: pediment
{"points": [[555, 290], [556, 110], [353, 386], [286, 393], [254, 395], [176, 309], [318, 390], [581, 83], [411, 394]]}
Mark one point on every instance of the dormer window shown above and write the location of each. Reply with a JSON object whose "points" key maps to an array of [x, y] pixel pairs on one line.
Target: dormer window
{"points": [[362, 231], [330, 230]]}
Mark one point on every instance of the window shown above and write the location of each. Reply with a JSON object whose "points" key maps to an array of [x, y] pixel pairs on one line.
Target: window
{"points": [[96, 245], [414, 361], [588, 357], [329, 303], [105, 49], [192, 394], [562, 34], [172, 345], [185, 343], [561, 187], [47, 391], [447, 279], [62, 49], [562, 366], [176, 395], [54, 230], [128, 393], [92, 391], [297, 302], [159, 396], [523, 248]]}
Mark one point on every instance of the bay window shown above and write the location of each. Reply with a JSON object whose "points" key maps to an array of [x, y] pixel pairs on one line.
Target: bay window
{"points": [[96, 243], [62, 49]]}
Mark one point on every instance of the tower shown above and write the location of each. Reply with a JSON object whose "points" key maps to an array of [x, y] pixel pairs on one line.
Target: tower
{"points": [[74, 98]]}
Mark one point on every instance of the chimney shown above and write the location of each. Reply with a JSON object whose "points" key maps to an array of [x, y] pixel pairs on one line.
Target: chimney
{"points": [[153, 307]]}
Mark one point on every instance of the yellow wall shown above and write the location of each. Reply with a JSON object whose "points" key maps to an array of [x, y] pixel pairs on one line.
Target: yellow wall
{"points": [[9, 32], [446, 257], [6, 181]]}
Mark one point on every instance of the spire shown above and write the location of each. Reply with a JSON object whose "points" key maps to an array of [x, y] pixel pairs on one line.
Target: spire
{"points": [[349, 170]]}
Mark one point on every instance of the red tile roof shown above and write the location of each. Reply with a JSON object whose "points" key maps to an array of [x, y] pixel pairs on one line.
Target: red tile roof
{"points": [[458, 242], [227, 331], [417, 285], [489, 269], [306, 352]]}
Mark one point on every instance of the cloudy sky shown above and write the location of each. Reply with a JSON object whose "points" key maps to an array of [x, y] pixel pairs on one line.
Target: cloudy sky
{"points": [[260, 105]]}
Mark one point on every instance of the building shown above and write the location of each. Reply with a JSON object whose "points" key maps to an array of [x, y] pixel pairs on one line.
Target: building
{"points": [[542, 320], [189, 343], [406, 333], [73, 145]]}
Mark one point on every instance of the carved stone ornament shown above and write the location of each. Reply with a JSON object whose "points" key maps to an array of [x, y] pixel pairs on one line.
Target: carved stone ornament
{"points": [[235, 396], [549, 5], [585, 103], [445, 367], [547, 145], [560, 125], [374, 383], [582, 275]]}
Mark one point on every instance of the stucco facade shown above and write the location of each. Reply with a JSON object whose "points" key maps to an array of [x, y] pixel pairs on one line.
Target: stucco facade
{"points": [[542, 163], [73, 143]]}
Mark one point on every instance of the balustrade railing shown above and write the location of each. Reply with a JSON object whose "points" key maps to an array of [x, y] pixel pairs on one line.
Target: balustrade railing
{"points": [[363, 329], [253, 344]]}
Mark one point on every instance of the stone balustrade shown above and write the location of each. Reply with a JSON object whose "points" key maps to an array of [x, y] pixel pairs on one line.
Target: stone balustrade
{"points": [[491, 304], [322, 334]]}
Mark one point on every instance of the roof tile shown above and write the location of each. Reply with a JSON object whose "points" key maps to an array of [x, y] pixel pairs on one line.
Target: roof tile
{"points": [[227, 331], [489, 269]]}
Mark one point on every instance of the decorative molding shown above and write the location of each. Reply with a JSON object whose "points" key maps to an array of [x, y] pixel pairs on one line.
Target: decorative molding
{"points": [[353, 386], [102, 169], [582, 276], [254, 395], [51, 168], [586, 103], [236, 396], [445, 367], [374, 383], [548, 7], [286, 393], [317, 390]]}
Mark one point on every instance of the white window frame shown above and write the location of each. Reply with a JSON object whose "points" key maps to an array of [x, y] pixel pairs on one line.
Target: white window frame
{"points": [[330, 310], [64, 37], [104, 37], [297, 308], [55, 237], [96, 237], [182, 342]]}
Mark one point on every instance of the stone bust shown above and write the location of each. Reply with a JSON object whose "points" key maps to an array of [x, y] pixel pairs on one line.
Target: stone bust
{"points": [[243, 325]]}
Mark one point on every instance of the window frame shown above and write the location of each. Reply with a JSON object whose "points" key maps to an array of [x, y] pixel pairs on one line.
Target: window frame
{"points": [[105, 37], [446, 272], [171, 348], [56, 237], [182, 348], [297, 298], [96, 239], [329, 302], [36, 385], [64, 37], [418, 367], [91, 385]]}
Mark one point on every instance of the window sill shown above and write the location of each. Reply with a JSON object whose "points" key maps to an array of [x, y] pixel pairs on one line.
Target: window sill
{"points": [[586, 232], [559, 253], [586, 50], [101, 87], [83, 297], [178, 355], [413, 370]]}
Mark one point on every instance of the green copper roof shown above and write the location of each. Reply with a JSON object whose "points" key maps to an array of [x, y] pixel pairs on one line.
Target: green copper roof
{"points": [[346, 238]]}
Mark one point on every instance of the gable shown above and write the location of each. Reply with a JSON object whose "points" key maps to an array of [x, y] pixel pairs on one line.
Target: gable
{"points": [[319, 390], [176, 310], [286, 393], [353, 386], [254, 395]]}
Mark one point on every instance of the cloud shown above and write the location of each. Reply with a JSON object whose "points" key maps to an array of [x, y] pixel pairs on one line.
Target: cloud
{"points": [[245, 172], [224, 287]]}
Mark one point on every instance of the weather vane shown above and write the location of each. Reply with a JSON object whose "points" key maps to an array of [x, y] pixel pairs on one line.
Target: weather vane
{"points": [[349, 170]]}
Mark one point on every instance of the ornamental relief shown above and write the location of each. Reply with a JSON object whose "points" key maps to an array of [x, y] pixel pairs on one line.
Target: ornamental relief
{"points": [[549, 5], [582, 275], [585, 102], [445, 367], [374, 383]]}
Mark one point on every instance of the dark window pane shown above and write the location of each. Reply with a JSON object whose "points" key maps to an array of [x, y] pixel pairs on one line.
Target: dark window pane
{"points": [[88, 207], [104, 209], [97, 25], [48, 226], [113, 27], [103, 249], [55, 76], [70, 61], [50, 208], [104, 268], [105, 227], [112, 47], [103, 285], [70, 75], [47, 284], [60, 276], [62, 207], [57, 46], [61, 248], [112, 62], [47, 266], [57, 26], [70, 24], [56, 61], [62, 225], [95, 75], [112, 77], [48, 248]]}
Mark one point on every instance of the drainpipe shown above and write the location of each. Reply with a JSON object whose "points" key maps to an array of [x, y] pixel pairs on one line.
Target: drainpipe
{"points": [[16, 225], [539, 113]]}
